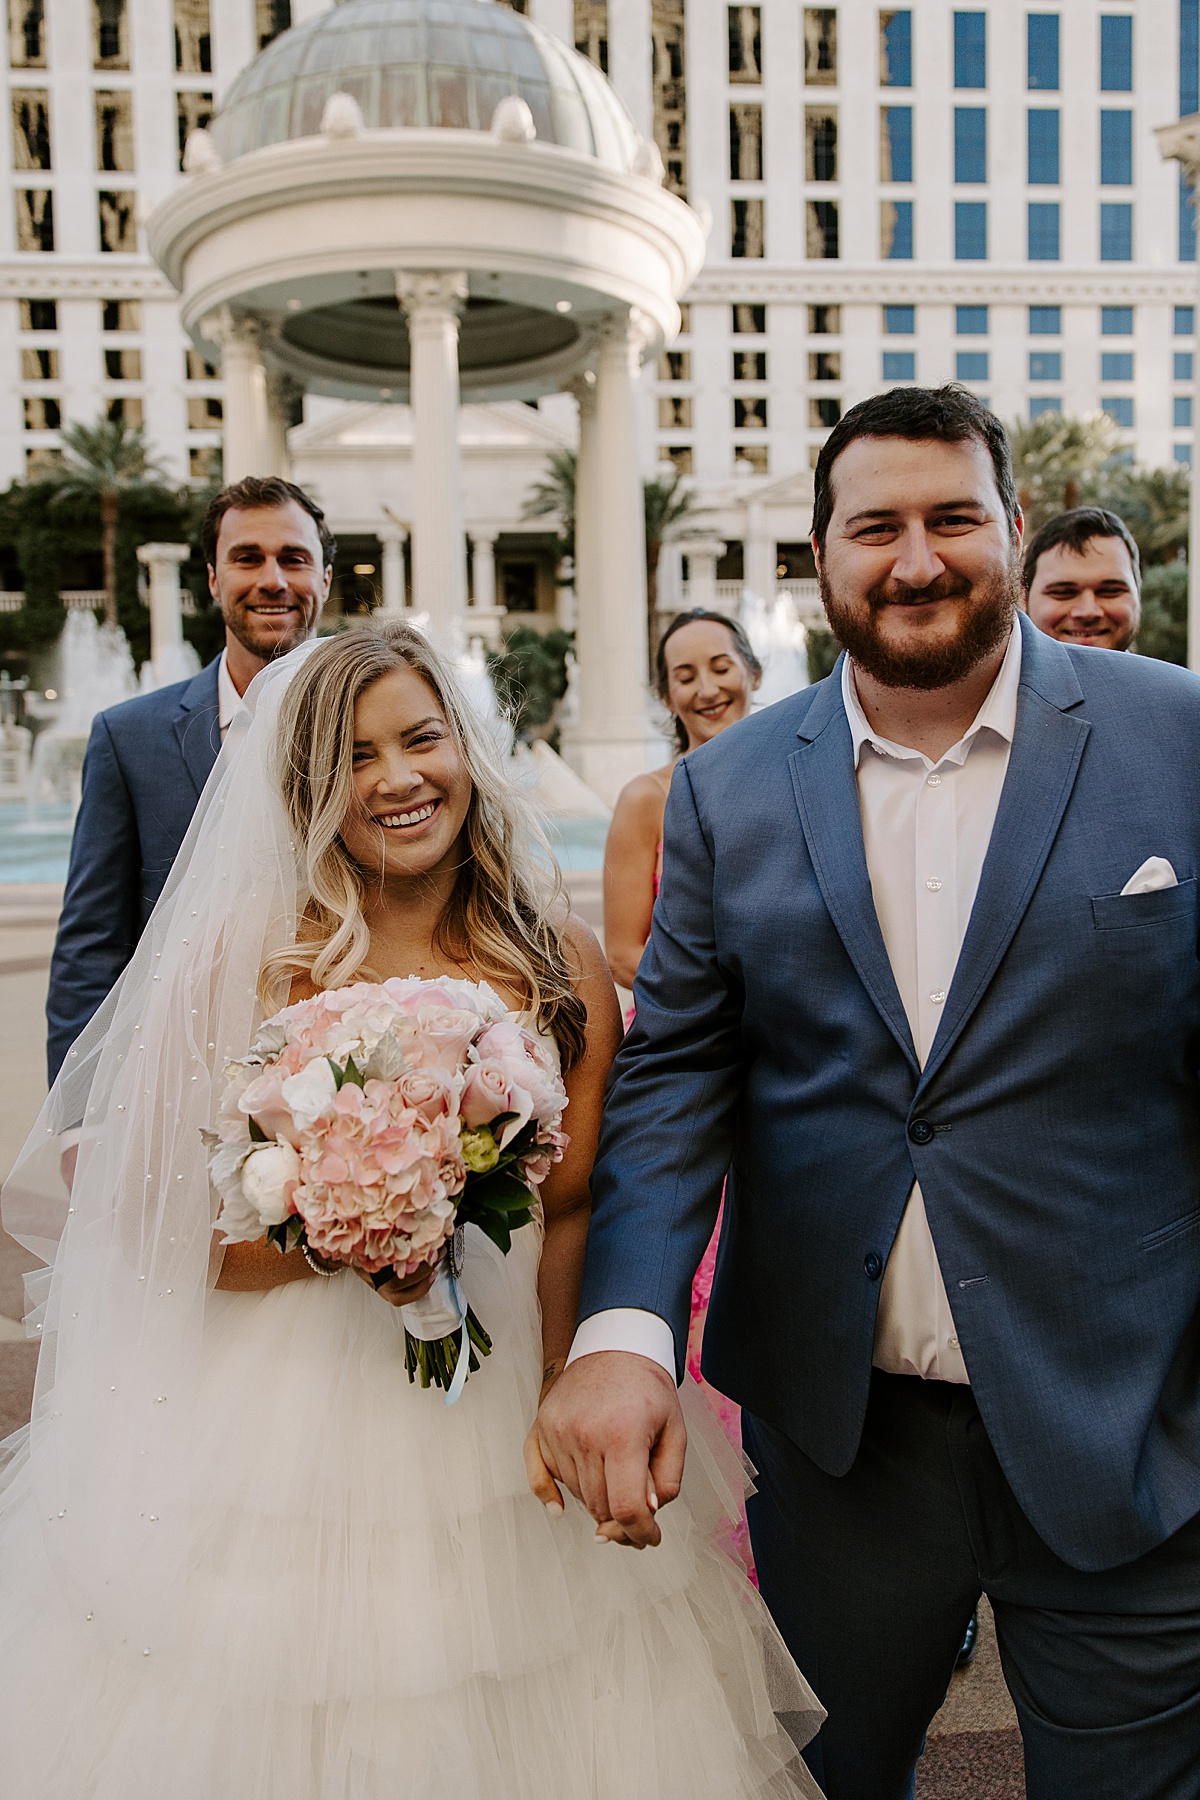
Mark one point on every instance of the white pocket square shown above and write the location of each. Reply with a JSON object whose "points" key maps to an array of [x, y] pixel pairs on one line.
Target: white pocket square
{"points": [[1155, 873]]}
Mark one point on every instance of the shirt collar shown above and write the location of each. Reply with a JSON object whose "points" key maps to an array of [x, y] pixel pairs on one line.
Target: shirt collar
{"points": [[229, 701], [997, 714]]}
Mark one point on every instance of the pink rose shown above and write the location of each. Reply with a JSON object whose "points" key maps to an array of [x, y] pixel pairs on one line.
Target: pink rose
{"points": [[485, 1093], [427, 1092]]}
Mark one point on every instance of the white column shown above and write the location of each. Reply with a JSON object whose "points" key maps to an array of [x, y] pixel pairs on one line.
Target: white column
{"points": [[245, 392], [431, 302], [283, 390], [391, 538], [703, 555], [760, 553], [162, 562], [483, 569]]}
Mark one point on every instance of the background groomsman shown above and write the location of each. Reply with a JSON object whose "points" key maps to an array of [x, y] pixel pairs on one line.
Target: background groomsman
{"points": [[1082, 577]]}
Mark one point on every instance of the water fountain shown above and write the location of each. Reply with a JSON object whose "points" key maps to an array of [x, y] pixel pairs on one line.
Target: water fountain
{"points": [[780, 642], [95, 671]]}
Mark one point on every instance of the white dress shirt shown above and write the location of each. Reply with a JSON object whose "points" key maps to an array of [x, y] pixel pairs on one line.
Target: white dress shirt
{"points": [[926, 829], [229, 701]]}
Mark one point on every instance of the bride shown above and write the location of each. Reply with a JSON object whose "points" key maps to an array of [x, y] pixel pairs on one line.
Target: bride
{"points": [[241, 1557]]}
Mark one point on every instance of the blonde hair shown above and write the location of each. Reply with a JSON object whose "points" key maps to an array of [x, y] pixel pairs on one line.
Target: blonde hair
{"points": [[506, 913]]}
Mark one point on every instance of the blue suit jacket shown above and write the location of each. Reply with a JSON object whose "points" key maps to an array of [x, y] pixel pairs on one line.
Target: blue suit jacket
{"points": [[1061, 1176], [146, 764]]}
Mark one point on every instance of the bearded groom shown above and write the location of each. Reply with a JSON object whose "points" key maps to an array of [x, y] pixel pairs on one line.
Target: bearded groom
{"points": [[923, 980]]}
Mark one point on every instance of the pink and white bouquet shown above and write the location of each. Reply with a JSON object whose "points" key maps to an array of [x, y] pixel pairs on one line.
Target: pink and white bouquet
{"points": [[372, 1122]]}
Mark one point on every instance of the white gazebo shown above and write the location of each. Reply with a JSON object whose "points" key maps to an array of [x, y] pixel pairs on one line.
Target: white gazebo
{"points": [[431, 201]]}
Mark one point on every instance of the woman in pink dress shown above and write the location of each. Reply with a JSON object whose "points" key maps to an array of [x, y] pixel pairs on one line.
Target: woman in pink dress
{"points": [[706, 673]]}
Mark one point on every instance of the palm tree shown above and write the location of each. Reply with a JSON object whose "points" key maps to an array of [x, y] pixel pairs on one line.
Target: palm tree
{"points": [[1052, 457], [1152, 502], [105, 462], [555, 498]]}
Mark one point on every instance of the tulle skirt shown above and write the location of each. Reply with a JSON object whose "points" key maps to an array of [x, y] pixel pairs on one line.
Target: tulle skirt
{"points": [[378, 1609]]}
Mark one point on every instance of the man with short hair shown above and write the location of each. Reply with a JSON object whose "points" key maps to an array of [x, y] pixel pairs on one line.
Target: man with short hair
{"points": [[270, 557], [923, 985], [1082, 577]]}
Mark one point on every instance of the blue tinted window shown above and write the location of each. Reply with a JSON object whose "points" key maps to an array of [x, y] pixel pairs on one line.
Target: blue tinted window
{"points": [[897, 124], [1043, 233], [1183, 454], [1116, 231], [970, 49], [1116, 52], [1116, 148], [1044, 403], [970, 230], [1042, 45], [1185, 321], [1189, 57], [1045, 365], [1116, 321], [970, 143], [1116, 365], [1119, 408], [1043, 146], [1183, 365], [971, 365], [1187, 222], [896, 230], [1045, 321], [971, 321], [899, 365], [899, 321], [1183, 409], [896, 30]]}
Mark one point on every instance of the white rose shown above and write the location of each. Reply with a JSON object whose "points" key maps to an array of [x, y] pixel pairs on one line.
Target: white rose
{"points": [[267, 1173], [310, 1094]]}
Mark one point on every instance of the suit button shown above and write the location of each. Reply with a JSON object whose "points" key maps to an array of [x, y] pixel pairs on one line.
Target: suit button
{"points": [[873, 1264], [921, 1131]]}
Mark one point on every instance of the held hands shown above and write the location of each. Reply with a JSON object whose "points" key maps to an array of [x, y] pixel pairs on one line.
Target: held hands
{"points": [[400, 1290], [611, 1431]]}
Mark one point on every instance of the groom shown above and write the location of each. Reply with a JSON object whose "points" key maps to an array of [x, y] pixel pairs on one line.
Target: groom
{"points": [[923, 980]]}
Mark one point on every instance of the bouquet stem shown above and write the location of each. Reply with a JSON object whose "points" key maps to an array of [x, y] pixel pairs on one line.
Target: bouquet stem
{"points": [[434, 1361]]}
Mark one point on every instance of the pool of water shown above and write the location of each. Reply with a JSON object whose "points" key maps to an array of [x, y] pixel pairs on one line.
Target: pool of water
{"points": [[34, 846], [578, 843]]}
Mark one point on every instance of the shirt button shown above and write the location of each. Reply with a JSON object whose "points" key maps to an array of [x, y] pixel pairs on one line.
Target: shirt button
{"points": [[934, 885], [953, 1342], [934, 781], [937, 996]]}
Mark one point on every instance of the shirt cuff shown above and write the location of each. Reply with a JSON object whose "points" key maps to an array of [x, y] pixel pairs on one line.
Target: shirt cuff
{"points": [[67, 1140], [626, 1328]]}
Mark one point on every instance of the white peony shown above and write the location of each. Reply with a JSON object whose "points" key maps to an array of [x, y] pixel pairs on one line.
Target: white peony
{"points": [[267, 1174], [310, 1094]]}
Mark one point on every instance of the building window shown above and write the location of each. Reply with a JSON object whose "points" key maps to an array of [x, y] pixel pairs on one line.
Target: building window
{"points": [[678, 455], [750, 412], [1183, 455], [1119, 408], [31, 131], [820, 143], [1044, 403], [124, 407], [820, 46], [970, 143], [193, 37], [1116, 148], [971, 365], [822, 235], [39, 365], [1185, 321], [899, 365], [1045, 321], [42, 414], [971, 321], [1116, 53], [27, 34], [747, 233], [1116, 231], [896, 230], [675, 365], [114, 132], [1187, 221], [39, 315], [753, 457], [1042, 52], [123, 365], [970, 50], [824, 321], [895, 49], [196, 369], [193, 112], [900, 321], [1043, 237], [273, 16], [35, 219], [1042, 149], [110, 34], [970, 230], [1183, 365], [745, 44], [1116, 365], [1116, 321], [120, 315], [118, 221], [749, 365], [749, 321], [824, 412], [674, 412], [1045, 365], [745, 143], [895, 143], [824, 365], [1182, 405], [204, 412], [669, 93], [204, 462], [591, 31]]}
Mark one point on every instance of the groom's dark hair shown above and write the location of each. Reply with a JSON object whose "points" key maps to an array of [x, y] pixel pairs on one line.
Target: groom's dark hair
{"points": [[948, 414], [261, 490]]}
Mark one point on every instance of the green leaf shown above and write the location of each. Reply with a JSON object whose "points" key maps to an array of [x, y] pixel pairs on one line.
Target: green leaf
{"points": [[338, 1074], [257, 1134], [353, 1075]]}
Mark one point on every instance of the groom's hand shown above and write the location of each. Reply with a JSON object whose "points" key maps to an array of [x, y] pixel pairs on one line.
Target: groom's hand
{"points": [[611, 1430]]}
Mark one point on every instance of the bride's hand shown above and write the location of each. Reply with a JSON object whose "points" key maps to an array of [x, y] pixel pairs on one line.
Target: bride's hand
{"points": [[400, 1290]]}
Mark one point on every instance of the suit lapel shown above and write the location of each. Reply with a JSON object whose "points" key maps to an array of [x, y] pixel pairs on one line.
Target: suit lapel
{"points": [[827, 799], [1047, 747], [197, 727]]}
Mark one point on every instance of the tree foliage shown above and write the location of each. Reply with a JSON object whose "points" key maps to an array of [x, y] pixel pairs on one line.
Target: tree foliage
{"points": [[1163, 631], [530, 676], [1053, 456], [108, 463]]}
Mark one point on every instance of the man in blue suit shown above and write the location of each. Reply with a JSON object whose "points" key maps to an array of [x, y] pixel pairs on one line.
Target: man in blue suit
{"points": [[923, 980], [270, 561]]}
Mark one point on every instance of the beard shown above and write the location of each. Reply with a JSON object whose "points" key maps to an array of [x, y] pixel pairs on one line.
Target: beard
{"points": [[984, 620]]}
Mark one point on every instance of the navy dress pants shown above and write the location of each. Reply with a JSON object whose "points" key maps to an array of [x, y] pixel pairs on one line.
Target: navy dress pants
{"points": [[873, 1575]]}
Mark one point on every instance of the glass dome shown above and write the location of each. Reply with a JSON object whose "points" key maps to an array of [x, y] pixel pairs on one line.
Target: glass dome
{"points": [[418, 63]]}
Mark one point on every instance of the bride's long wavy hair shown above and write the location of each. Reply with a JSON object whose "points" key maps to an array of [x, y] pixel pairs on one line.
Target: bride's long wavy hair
{"points": [[506, 915]]}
